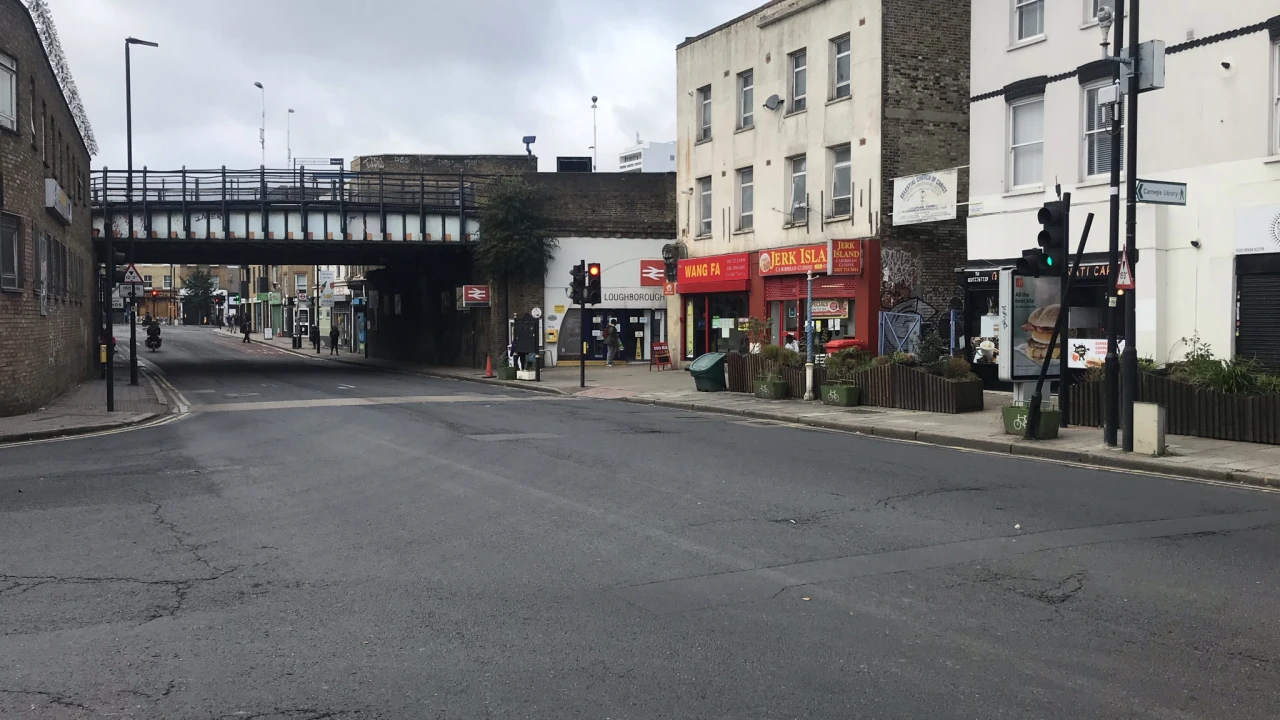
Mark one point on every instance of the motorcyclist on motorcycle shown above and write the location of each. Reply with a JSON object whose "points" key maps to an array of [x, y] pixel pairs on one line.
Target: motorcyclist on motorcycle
{"points": [[153, 336]]}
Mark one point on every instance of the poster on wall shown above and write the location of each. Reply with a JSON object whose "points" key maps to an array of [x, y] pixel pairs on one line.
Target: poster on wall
{"points": [[928, 197], [1258, 230], [1028, 311], [326, 288]]}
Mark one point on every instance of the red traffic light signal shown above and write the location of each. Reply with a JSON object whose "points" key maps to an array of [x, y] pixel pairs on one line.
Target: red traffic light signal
{"points": [[155, 293], [593, 269], [593, 289]]}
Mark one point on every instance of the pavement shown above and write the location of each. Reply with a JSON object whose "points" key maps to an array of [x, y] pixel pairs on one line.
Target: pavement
{"points": [[1190, 457], [83, 409], [318, 539]]}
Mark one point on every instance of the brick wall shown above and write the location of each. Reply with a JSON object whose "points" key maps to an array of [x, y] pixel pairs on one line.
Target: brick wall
{"points": [[610, 204], [446, 164], [42, 356], [925, 82]]}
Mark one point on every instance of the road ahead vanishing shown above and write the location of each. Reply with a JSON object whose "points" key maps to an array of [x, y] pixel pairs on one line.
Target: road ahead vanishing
{"points": [[320, 540]]}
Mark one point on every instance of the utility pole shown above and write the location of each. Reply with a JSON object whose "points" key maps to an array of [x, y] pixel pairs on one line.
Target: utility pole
{"points": [[595, 141], [1129, 358], [1111, 386], [128, 133], [808, 326]]}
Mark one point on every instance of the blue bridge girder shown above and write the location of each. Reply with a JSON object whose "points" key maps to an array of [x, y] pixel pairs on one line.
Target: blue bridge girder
{"points": [[265, 207]]}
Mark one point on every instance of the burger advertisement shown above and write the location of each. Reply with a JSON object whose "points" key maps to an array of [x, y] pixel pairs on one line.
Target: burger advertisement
{"points": [[1029, 309]]}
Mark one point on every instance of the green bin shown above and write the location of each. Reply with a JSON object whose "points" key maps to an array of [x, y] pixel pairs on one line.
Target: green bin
{"points": [[708, 372]]}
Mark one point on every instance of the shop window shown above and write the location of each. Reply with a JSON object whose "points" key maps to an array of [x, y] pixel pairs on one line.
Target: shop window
{"points": [[1026, 142], [746, 198]]}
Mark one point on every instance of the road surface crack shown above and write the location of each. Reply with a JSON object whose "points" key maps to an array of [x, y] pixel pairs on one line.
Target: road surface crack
{"points": [[51, 698], [893, 499], [289, 714], [182, 538]]}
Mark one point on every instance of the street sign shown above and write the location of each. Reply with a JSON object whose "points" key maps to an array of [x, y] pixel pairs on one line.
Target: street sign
{"points": [[536, 313], [117, 303], [652, 273], [1159, 192], [132, 277], [1124, 278], [475, 296]]}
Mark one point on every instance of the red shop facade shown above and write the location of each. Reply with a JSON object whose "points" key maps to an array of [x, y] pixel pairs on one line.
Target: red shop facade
{"points": [[718, 294]]}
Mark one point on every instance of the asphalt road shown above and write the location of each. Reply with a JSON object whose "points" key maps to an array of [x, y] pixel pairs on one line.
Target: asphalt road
{"points": [[319, 540]]}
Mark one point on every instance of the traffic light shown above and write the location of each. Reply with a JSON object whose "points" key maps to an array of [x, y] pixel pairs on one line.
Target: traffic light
{"points": [[1050, 258], [155, 294], [578, 283], [593, 284], [121, 265]]}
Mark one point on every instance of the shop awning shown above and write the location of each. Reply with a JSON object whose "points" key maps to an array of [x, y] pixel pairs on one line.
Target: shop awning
{"points": [[714, 286]]}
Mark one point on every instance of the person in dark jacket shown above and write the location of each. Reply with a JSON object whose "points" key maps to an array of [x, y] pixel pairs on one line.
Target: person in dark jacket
{"points": [[315, 337], [245, 328], [333, 340]]}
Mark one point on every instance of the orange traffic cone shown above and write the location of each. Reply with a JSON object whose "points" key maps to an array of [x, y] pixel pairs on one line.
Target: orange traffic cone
{"points": [[488, 367]]}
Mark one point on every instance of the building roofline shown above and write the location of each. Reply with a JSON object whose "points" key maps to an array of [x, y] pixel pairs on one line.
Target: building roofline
{"points": [[745, 16], [85, 133]]}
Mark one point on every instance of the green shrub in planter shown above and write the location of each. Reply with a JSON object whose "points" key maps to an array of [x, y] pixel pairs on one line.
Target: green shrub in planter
{"points": [[1015, 421], [840, 395], [771, 387]]}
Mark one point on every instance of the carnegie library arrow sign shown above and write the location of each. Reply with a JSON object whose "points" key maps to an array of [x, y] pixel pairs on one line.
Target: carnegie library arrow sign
{"points": [[1158, 192], [475, 296]]}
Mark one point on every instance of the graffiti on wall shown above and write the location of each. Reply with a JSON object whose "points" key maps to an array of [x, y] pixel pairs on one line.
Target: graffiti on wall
{"points": [[900, 283]]}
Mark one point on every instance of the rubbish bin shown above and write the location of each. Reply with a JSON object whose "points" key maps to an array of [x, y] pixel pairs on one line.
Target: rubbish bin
{"points": [[844, 344], [708, 372]]}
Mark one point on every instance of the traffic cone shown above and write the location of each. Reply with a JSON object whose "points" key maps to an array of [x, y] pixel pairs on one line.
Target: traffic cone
{"points": [[488, 367]]}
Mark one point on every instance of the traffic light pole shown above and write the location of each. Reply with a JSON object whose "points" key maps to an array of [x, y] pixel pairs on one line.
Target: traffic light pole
{"points": [[1064, 310], [109, 287], [1111, 378], [582, 305], [1059, 329], [1129, 358]]}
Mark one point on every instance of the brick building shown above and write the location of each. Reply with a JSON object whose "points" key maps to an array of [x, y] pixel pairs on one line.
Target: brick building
{"points": [[47, 281], [793, 120]]}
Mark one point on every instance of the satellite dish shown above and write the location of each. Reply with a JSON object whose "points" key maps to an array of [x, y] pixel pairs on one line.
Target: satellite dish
{"points": [[773, 102]]}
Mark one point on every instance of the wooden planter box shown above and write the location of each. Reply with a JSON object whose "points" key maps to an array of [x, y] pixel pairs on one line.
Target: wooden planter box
{"points": [[741, 372], [906, 388], [1191, 410], [840, 395], [771, 389]]}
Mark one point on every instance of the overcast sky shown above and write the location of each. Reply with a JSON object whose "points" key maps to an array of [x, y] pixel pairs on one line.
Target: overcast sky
{"points": [[368, 77]]}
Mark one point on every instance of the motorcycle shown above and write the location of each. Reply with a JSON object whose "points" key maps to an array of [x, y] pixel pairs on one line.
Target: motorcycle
{"points": [[153, 338]]}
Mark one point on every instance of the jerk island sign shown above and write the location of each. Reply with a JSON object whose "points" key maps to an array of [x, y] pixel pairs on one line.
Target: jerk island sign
{"points": [[794, 261]]}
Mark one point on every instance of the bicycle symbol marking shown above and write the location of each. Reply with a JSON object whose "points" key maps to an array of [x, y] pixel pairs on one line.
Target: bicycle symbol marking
{"points": [[1020, 422], [833, 396]]}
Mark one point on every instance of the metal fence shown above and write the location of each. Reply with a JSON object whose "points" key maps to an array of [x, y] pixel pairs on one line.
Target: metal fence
{"points": [[899, 332], [289, 186]]}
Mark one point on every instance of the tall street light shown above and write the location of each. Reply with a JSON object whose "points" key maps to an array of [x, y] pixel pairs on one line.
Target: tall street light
{"points": [[288, 138], [128, 132], [594, 139], [262, 131]]}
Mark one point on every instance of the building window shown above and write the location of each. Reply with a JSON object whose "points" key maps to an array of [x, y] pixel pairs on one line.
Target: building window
{"points": [[1028, 19], [1026, 142], [300, 282], [704, 113], [31, 108], [9, 253], [147, 279], [746, 198], [840, 67], [704, 207], [1098, 141], [166, 282], [798, 202], [746, 99], [799, 79], [1275, 97], [1095, 5], [44, 128], [213, 282], [841, 181], [8, 92]]}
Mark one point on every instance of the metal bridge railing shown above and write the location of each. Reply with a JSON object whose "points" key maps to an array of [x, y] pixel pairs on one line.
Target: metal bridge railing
{"points": [[320, 186]]}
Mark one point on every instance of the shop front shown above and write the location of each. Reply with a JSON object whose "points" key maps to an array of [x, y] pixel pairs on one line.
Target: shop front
{"points": [[1088, 302], [632, 301], [786, 290], [715, 303]]}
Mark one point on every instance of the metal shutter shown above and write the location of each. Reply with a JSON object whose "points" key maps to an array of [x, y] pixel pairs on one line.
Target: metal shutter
{"points": [[1258, 319]]}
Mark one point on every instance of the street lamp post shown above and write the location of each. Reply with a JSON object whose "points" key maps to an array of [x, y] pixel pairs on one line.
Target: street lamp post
{"points": [[262, 130], [288, 138], [595, 141], [128, 125]]}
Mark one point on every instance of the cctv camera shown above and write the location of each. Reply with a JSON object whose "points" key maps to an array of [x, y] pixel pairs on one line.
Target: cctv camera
{"points": [[1195, 244], [1226, 65], [594, 98], [1104, 15]]}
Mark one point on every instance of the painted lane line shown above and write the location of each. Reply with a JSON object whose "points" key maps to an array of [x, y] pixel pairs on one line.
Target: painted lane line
{"points": [[355, 402]]}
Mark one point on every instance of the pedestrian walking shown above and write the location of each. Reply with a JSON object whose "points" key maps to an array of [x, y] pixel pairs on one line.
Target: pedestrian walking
{"points": [[245, 328], [611, 343], [333, 340], [315, 337]]}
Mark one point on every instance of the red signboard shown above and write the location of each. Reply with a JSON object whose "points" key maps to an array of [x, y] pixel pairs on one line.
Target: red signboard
{"points": [[475, 295], [846, 257], [793, 261], [669, 288], [715, 269], [652, 273]]}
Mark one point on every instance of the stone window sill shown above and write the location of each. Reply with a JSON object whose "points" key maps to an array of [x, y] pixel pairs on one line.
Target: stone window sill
{"points": [[1029, 190], [1029, 41]]}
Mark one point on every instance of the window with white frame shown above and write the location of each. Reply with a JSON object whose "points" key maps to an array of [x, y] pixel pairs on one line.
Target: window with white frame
{"points": [[840, 87], [1275, 97], [8, 92], [704, 113], [798, 200], [213, 282], [1028, 19], [1098, 141], [841, 181], [704, 207], [147, 279], [9, 253], [746, 99], [1026, 142], [299, 282], [167, 282], [746, 198], [799, 79]]}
